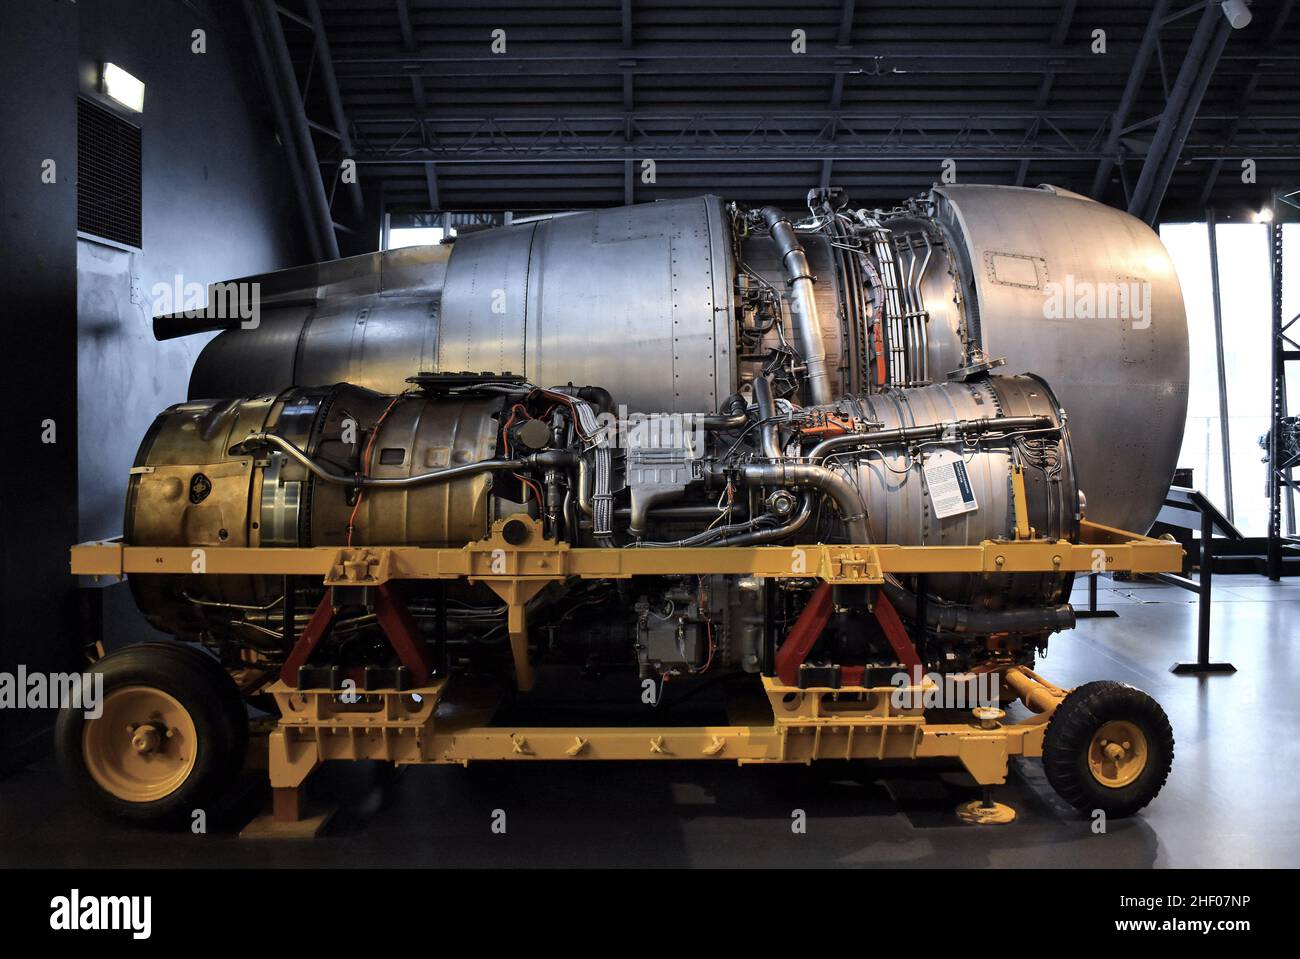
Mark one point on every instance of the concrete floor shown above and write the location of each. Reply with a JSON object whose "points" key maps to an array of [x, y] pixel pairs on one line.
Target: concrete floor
{"points": [[1230, 800]]}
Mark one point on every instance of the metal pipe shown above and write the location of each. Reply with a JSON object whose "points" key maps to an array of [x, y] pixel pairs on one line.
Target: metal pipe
{"points": [[843, 492], [789, 528], [732, 416], [932, 431], [799, 277], [369, 482], [1211, 225], [770, 441], [683, 512], [1036, 696], [749, 533], [952, 618]]}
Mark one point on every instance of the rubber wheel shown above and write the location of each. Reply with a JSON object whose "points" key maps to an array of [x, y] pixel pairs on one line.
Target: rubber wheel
{"points": [[168, 741], [1108, 746], [232, 701]]}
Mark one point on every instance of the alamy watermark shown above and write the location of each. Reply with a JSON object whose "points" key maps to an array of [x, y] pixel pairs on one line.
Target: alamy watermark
{"points": [[37, 690], [76, 912], [681, 431], [1125, 299], [232, 300], [921, 690]]}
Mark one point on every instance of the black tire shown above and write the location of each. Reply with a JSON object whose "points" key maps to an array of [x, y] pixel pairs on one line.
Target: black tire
{"points": [[178, 672], [1069, 740], [232, 701]]}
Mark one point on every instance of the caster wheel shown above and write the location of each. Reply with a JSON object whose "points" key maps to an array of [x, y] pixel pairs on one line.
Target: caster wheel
{"points": [[1108, 746], [169, 738]]}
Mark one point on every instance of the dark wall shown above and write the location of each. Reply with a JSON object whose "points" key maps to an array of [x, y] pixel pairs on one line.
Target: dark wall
{"points": [[79, 350], [216, 205], [38, 262]]}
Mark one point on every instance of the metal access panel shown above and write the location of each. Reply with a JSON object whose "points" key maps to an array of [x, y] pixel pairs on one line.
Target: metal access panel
{"points": [[485, 302], [638, 300]]}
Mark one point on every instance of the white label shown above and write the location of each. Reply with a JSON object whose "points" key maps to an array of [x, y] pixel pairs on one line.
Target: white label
{"points": [[949, 485]]}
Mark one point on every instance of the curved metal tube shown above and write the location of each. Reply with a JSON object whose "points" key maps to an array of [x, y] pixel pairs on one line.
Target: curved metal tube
{"points": [[732, 416], [767, 429], [844, 493], [748, 533], [791, 526], [369, 482], [799, 277]]}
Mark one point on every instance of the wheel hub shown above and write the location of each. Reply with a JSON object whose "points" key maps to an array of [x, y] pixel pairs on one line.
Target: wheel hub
{"points": [[1118, 753], [147, 738], [142, 747]]}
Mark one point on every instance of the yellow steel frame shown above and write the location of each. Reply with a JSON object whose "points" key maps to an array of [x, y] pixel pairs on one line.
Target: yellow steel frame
{"points": [[493, 560], [805, 724], [435, 724]]}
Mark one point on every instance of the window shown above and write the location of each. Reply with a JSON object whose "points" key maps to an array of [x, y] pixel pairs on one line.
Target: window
{"points": [[400, 236], [108, 175], [1246, 294]]}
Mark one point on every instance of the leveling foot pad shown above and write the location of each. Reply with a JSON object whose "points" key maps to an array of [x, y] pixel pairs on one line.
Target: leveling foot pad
{"points": [[279, 821], [985, 812]]}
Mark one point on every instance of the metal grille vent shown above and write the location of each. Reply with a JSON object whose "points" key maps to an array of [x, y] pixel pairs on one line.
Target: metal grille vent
{"points": [[108, 175]]}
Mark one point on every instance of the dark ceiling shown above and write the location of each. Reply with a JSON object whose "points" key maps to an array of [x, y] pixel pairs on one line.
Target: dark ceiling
{"points": [[712, 92]]}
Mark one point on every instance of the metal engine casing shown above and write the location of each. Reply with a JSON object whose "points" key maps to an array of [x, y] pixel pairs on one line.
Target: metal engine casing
{"points": [[642, 299], [188, 489]]}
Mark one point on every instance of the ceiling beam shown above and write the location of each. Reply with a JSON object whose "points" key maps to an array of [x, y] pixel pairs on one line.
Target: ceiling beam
{"points": [[844, 35], [1243, 100], [331, 84], [404, 24], [284, 76], [524, 60], [1063, 21], [1132, 87], [297, 172], [431, 184], [1184, 101]]}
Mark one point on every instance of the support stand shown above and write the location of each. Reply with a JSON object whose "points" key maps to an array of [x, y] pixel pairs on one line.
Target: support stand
{"points": [[1210, 518], [1092, 612]]}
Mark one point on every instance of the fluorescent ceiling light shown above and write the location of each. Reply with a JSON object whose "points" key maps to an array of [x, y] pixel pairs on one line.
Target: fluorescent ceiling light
{"points": [[124, 88]]}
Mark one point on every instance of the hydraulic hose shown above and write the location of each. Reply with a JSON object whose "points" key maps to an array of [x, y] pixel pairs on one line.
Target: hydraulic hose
{"points": [[952, 618]]}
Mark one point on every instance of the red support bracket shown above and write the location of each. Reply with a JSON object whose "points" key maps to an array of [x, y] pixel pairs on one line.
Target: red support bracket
{"points": [[896, 633], [812, 621], [396, 622], [803, 635], [394, 619], [317, 628]]}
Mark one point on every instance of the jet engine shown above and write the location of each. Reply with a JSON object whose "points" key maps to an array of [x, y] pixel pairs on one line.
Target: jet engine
{"points": [[980, 363]]}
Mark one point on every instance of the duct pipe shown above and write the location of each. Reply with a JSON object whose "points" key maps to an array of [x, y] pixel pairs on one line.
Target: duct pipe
{"points": [[952, 618], [767, 429], [841, 490], [799, 277]]}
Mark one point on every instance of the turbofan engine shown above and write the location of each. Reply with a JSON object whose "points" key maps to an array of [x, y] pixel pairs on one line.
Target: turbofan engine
{"points": [[688, 374]]}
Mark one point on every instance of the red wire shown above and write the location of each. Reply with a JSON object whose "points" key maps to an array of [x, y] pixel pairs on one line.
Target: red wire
{"points": [[365, 461]]}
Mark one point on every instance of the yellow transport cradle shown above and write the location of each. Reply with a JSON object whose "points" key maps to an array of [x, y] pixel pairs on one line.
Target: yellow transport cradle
{"points": [[437, 723]]}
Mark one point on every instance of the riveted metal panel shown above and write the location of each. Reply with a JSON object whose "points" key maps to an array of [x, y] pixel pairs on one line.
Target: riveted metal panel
{"points": [[1026, 254]]}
